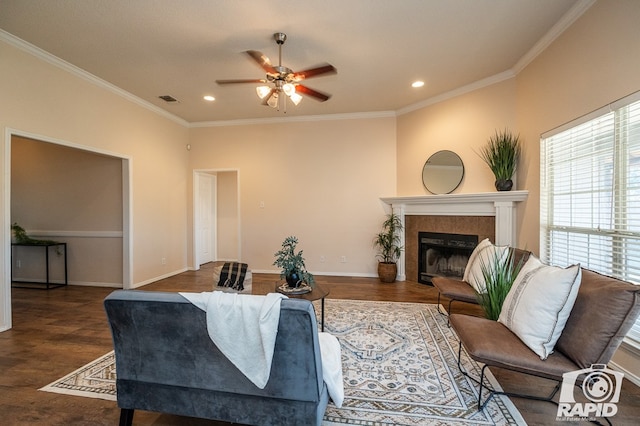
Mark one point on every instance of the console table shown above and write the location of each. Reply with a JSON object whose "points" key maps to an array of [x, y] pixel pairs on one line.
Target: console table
{"points": [[47, 284]]}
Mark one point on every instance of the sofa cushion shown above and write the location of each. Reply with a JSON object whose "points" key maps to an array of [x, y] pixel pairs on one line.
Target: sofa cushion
{"points": [[490, 342], [605, 310], [483, 256], [539, 302]]}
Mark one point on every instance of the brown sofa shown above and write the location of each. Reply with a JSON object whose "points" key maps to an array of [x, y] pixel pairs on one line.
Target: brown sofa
{"points": [[461, 291], [604, 311]]}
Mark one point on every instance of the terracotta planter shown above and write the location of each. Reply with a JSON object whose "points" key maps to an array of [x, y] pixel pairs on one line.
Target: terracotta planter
{"points": [[387, 272]]}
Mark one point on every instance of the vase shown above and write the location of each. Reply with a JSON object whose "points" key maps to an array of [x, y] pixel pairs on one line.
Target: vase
{"points": [[387, 271], [504, 184], [293, 280]]}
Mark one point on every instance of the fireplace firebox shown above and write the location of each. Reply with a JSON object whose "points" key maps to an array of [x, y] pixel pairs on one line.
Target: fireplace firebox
{"points": [[441, 254]]}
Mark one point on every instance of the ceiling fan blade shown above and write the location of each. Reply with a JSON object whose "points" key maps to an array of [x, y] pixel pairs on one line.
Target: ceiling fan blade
{"points": [[262, 60], [315, 72], [312, 92], [253, 80]]}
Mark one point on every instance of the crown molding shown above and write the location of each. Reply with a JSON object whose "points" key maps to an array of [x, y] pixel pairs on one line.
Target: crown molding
{"points": [[565, 22], [560, 27], [79, 72], [295, 119], [505, 75]]}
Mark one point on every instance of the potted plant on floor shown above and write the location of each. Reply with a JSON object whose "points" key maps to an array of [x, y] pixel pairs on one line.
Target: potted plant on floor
{"points": [[387, 243], [292, 264], [499, 275], [501, 153]]}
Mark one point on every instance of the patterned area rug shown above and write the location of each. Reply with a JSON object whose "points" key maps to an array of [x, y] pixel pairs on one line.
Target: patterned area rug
{"points": [[95, 380], [399, 367]]}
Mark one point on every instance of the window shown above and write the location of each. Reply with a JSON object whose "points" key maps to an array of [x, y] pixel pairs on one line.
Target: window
{"points": [[590, 194]]}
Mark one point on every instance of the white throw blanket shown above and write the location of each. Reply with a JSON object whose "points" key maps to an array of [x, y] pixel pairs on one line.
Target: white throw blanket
{"points": [[244, 328], [332, 367], [231, 320]]}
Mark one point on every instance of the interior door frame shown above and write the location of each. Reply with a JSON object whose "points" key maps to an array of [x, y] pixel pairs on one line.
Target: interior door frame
{"points": [[213, 217], [127, 216], [196, 248]]}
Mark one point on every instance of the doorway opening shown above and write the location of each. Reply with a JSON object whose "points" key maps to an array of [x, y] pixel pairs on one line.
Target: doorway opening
{"points": [[216, 216], [71, 223]]}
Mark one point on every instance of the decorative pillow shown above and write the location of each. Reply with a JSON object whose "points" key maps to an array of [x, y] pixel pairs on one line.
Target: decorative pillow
{"points": [[474, 254], [539, 302], [232, 277], [485, 254]]}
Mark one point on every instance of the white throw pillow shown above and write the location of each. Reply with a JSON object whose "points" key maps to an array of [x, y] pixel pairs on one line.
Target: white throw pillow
{"points": [[539, 303], [474, 254], [485, 254]]}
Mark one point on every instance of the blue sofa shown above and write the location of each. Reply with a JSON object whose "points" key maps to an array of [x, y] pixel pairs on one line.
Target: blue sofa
{"points": [[166, 362]]}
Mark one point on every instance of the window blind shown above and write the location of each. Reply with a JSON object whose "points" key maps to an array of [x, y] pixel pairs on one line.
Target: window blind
{"points": [[590, 194]]}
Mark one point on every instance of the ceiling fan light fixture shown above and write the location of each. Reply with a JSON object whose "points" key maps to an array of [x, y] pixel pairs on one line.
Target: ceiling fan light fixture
{"points": [[295, 98], [280, 79], [289, 89], [263, 91], [273, 100]]}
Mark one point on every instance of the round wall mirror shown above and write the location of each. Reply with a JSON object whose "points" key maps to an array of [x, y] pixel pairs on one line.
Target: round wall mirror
{"points": [[443, 172]]}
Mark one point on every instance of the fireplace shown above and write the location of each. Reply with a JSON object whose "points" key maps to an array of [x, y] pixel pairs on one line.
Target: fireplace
{"points": [[442, 254]]}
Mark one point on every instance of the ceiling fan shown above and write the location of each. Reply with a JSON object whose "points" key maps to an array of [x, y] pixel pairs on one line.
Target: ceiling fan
{"points": [[284, 79]]}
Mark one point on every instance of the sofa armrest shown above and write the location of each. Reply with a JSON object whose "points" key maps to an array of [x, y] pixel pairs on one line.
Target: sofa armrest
{"points": [[455, 289]]}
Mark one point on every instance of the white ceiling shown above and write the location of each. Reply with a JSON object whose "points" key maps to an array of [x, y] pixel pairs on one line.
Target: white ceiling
{"points": [[179, 48]]}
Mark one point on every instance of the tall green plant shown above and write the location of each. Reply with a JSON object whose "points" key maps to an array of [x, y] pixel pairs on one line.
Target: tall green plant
{"points": [[501, 153], [388, 241], [499, 276]]}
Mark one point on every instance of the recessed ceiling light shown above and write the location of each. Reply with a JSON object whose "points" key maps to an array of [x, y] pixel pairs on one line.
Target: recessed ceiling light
{"points": [[209, 98], [417, 84]]}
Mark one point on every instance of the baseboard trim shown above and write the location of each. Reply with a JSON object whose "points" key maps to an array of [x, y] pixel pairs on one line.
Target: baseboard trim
{"points": [[627, 374], [95, 284], [158, 278], [78, 283], [327, 274], [633, 352]]}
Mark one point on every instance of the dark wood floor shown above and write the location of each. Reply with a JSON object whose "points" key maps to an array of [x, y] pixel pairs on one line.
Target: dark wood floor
{"points": [[59, 330]]}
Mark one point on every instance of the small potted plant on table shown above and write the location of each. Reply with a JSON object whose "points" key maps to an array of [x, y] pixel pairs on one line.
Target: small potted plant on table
{"points": [[292, 264]]}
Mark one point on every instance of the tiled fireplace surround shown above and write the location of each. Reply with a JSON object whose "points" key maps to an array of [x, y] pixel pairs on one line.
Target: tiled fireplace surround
{"points": [[488, 215]]}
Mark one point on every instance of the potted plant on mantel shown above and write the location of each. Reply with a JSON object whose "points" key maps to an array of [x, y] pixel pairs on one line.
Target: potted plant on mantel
{"points": [[293, 268], [388, 244], [501, 153]]}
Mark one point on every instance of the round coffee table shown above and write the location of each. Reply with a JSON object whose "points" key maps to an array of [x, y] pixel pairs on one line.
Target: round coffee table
{"points": [[317, 293]]}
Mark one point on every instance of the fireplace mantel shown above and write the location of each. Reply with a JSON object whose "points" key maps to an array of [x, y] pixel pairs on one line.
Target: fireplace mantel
{"points": [[501, 205]]}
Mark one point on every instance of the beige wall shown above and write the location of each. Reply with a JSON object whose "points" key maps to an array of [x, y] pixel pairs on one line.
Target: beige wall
{"points": [[320, 181], [462, 124], [40, 99], [593, 63]]}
